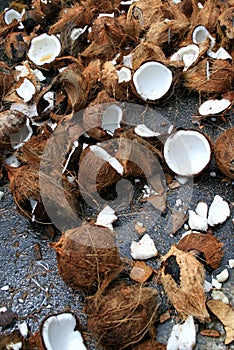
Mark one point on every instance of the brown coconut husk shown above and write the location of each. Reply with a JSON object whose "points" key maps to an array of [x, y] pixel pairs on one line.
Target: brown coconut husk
{"points": [[6, 79], [183, 280], [104, 6], [207, 16], [224, 152], [225, 27], [150, 345], [206, 245], [146, 12], [10, 122], [220, 79], [86, 256], [92, 117], [15, 46], [146, 51], [122, 315]]}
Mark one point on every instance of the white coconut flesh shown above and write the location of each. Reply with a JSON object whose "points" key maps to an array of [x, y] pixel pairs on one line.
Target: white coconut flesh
{"points": [[143, 131], [44, 49], [111, 118], [26, 90], [214, 106], [58, 332], [200, 34], [103, 154], [10, 15], [124, 75], [187, 152], [187, 54], [152, 80]]}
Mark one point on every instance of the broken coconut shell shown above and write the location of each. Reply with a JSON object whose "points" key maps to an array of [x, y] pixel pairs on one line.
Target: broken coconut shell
{"points": [[183, 279], [122, 315], [224, 152], [87, 255], [206, 248]]}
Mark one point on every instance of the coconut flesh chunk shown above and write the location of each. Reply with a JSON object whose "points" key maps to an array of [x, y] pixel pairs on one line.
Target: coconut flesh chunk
{"points": [[144, 249], [23, 135], [220, 54], [111, 118], [214, 106], [219, 211], [188, 54], [26, 90], [183, 336], [58, 332], [152, 80], [143, 131], [103, 154], [124, 75], [10, 15], [187, 152], [106, 217], [198, 219], [44, 49]]}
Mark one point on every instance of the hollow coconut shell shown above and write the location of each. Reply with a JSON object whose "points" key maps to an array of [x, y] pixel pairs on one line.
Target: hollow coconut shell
{"points": [[183, 279], [86, 255], [122, 315], [224, 152]]}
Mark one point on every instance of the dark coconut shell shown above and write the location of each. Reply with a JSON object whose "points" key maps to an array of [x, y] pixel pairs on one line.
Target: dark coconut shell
{"points": [[205, 245], [224, 152], [86, 255], [122, 315]]}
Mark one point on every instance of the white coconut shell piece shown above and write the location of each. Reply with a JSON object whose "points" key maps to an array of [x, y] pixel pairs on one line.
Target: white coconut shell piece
{"points": [[220, 54], [106, 217], [143, 131], [196, 222], [152, 80], [211, 107], [124, 75], [231, 263], [144, 249], [188, 54], [183, 336], [10, 15], [103, 154], [216, 284], [44, 49], [26, 90], [111, 118], [222, 276], [58, 332], [219, 211], [187, 152], [201, 34]]}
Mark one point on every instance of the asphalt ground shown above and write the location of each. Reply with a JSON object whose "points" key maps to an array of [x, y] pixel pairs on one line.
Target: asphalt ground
{"points": [[35, 287]]}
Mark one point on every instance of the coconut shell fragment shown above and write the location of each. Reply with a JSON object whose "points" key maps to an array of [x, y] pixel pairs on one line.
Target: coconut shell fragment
{"points": [[183, 278], [87, 255], [224, 152], [122, 315], [206, 248]]}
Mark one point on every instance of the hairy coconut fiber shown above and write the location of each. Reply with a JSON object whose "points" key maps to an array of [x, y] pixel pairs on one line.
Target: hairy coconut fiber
{"points": [[122, 315], [205, 244], [224, 152], [150, 345], [146, 51], [87, 255], [210, 76], [183, 280]]}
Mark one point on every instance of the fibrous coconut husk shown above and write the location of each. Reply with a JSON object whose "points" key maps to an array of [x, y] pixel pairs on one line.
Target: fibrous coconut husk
{"points": [[92, 117], [146, 51], [224, 152], [210, 76], [207, 16], [86, 256], [7, 341], [109, 80], [150, 345], [183, 279], [206, 247], [6, 79], [122, 315], [146, 12], [16, 46], [10, 122], [225, 27], [105, 6]]}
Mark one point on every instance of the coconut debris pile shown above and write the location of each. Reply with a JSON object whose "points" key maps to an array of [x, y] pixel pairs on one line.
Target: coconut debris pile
{"points": [[69, 73]]}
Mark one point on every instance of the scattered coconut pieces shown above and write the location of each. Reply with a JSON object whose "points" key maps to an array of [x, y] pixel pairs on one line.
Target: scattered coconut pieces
{"points": [[183, 336], [222, 276], [219, 211], [216, 284], [198, 218], [143, 131], [231, 263], [188, 54], [26, 90], [106, 217], [144, 249]]}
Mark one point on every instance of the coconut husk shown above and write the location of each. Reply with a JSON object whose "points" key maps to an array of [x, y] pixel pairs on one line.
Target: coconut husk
{"points": [[218, 80], [34, 342], [92, 117], [105, 6], [50, 9], [224, 152], [76, 16], [121, 315], [183, 279], [106, 37], [6, 79], [186, 7], [225, 27], [146, 51], [86, 256], [207, 16], [146, 12], [12, 338], [10, 122], [15, 46], [150, 345], [109, 80], [206, 248]]}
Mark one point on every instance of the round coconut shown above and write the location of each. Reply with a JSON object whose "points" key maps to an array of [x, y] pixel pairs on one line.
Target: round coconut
{"points": [[86, 255], [122, 315], [224, 152]]}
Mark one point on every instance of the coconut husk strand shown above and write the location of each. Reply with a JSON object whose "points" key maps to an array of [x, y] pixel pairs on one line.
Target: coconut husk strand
{"points": [[183, 279], [210, 76], [122, 315], [6, 79], [86, 256], [205, 247], [224, 152]]}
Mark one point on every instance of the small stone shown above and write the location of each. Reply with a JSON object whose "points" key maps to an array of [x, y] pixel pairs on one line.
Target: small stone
{"points": [[218, 295], [216, 283], [1, 195], [231, 263], [222, 276], [5, 288]]}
